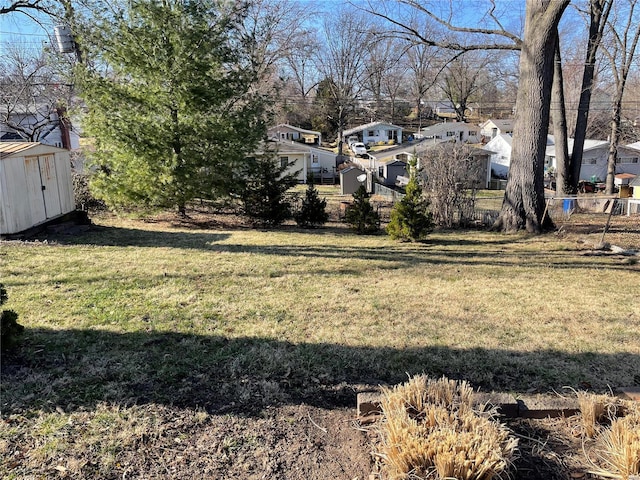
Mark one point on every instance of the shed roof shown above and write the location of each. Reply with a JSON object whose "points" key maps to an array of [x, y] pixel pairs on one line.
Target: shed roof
{"points": [[8, 149]]}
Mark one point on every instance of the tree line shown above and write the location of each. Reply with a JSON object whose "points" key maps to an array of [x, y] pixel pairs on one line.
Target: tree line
{"points": [[177, 94]]}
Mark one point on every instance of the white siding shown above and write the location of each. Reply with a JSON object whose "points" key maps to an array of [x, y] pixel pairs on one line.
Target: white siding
{"points": [[35, 185]]}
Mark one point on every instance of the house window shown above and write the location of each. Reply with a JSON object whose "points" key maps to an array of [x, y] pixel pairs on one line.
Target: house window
{"points": [[472, 133], [372, 133], [628, 160], [451, 134], [589, 161], [284, 162]]}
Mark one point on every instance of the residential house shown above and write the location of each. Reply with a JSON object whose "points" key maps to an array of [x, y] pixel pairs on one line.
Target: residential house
{"points": [[451, 131], [307, 160], [595, 158], [494, 127], [41, 123], [35, 185], [289, 132], [375, 133], [446, 109], [499, 149]]}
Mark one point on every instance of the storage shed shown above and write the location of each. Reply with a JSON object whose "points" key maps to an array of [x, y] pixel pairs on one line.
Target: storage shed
{"points": [[35, 185]]}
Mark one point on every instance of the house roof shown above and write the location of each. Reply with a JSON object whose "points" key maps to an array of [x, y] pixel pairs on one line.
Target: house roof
{"points": [[297, 129], [297, 147], [635, 145], [501, 123], [445, 127], [367, 126], [588, 146]]}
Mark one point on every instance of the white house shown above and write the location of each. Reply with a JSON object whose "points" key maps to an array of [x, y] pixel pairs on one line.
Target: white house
{"points": [[289, 132], [595, 158], [451, 131], [376, 132], [307, 160], [499, 149], [494, 127], [41, 124], [35, 185]]}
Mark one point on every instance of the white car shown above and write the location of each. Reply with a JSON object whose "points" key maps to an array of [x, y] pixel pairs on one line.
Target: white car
{"points": [[358, 148]]}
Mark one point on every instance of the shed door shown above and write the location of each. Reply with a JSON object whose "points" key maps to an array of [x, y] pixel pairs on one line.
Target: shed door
{"points": [[34, 191], [49, 185]]}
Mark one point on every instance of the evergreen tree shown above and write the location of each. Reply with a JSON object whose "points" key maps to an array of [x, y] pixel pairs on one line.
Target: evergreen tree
{"points": [[360, 215], [410, 218], [169, 98], [313, 211], [264, 194]]}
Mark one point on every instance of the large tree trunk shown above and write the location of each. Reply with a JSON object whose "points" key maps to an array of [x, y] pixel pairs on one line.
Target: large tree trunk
{"points": [[524, 204], [559, 116]]}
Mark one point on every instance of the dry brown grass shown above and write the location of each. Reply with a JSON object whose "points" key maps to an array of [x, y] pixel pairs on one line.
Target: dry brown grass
{"points": [[618, 447], [430, 428], [594, 409]]}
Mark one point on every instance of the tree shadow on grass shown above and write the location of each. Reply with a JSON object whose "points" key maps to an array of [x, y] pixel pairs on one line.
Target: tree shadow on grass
{"points": [[68, 369], [444, 248]]}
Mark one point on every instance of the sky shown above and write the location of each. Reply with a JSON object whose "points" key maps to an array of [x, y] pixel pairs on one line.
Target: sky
{"points": [[18, 29]]}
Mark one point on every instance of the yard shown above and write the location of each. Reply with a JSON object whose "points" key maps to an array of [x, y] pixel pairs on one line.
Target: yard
{"points": [[158, 348]]}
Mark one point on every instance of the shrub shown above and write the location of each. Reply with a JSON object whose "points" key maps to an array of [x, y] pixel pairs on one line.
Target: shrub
{"points": [[451, 175], [10, 329], [410, 218], [85, 200], [264, 190], [313, 211], [360, 215]]}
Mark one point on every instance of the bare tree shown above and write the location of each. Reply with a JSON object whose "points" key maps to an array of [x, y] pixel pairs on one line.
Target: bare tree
{"points": [[30, 7], [343, 61], [624, 35], [462, 79], [524, 204], [383, 61], [34, 96], [599, 11], [420, 60]]}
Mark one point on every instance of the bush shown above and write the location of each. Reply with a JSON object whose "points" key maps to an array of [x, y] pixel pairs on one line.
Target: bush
{"points": [[313, 211], [10, 329], [360, 215], [84, 199], [264, 191], [410, 218]]}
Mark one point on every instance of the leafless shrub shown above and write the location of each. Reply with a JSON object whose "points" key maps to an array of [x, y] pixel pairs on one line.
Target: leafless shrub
{"points": [[451, 173]]}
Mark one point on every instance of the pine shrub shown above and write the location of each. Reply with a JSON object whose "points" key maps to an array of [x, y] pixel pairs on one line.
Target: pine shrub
{"points": [[312, 213], [360, 215], [410, 218], [264, 193]]}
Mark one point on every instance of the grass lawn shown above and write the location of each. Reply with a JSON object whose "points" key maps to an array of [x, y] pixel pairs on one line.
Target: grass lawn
{"points": [[131, 314]]}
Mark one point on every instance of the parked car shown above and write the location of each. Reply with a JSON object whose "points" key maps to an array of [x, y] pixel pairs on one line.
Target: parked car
{"points": [[358, 148]]}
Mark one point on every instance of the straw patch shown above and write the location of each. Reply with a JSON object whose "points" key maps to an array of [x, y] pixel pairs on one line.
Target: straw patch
{"points": [[431, 430]]}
